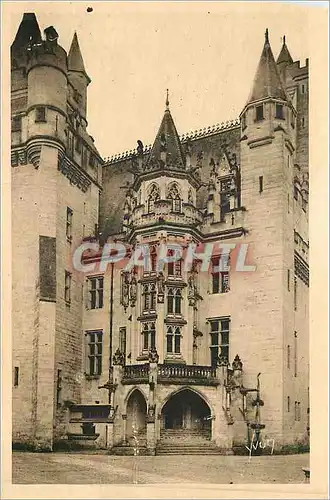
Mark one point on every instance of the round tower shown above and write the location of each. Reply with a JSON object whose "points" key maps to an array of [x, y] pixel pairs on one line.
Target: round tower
{"points": [[47, 90]]}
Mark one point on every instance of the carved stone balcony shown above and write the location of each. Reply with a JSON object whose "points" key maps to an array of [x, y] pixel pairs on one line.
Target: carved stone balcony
{"points": [[163, 211], [136, 374], [187, 374], [171, 374]]}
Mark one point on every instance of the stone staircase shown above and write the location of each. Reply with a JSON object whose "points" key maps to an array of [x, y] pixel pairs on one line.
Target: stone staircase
{"points": [[128, 447], [186, 442]]}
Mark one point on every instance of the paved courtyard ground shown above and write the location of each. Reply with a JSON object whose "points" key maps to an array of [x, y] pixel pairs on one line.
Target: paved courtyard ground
{"points": [[64, 468]]}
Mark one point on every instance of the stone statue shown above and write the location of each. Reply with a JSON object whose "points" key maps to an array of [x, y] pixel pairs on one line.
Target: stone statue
{"points": [[153, 356], [125, 290], [118, 358], [160, 283], [140, 147], [133, 290]]}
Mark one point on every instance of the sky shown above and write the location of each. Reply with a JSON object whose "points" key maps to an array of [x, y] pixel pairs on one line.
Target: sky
{"points": [[206, 54]]}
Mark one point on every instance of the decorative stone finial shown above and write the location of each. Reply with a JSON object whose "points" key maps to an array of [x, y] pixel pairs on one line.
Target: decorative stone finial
{"points": [[237, 363], [266, 36], [284, 40], [167, 100]]}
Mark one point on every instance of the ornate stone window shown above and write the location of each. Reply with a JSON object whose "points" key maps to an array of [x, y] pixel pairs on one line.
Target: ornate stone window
{"points": [[173, 340], [149, 297], [148, 336], [174, 299], [173, 193], [153, 195], [174, 268]]}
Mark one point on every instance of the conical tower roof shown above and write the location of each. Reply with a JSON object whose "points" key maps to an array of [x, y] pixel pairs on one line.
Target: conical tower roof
{"points": [[75, 59], [28, 32], [267, 82], [284, 55], [167, 141]]}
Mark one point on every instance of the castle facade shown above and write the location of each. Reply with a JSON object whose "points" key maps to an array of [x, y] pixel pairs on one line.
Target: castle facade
{"points": [[202, 347]]}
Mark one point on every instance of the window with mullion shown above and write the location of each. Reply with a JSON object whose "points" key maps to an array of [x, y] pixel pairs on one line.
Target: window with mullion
{"points": [[173, 340], [95, 290], [174, 299], [219, 339], [220, 279], [94, 350], [149, 297], [148, 336]]}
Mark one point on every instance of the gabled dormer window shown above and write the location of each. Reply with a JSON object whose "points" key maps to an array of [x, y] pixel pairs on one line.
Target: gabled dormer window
{"points": [[259, 112], [279, 114]]}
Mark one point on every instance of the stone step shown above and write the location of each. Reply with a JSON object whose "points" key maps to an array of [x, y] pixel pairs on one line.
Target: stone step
{"points": [[187, 450]]}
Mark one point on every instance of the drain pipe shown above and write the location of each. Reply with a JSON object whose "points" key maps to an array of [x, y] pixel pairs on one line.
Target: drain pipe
{"points": [[110, 330]]}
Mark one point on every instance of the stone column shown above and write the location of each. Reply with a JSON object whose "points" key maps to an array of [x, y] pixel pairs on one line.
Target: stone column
{"points": [[222, 432], [124, 417], [110, 435], [117, 373], [151, 416]]}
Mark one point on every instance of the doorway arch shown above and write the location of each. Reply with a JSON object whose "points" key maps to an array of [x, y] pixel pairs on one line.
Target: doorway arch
{"points": [[136, 411], [186, 410]]}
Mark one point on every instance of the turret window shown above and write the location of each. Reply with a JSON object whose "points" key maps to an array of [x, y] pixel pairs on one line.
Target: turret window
{"points": [[70, 144], [279, 112], [174, 268], [174, 195], [153, 195], [16, 124], [243, 121], [40, 114], [78, 144], [259, 112], [261, 184], [173, 340]]}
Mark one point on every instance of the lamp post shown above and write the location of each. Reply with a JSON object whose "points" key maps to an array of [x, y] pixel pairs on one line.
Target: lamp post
{"points": [[257, 426]]}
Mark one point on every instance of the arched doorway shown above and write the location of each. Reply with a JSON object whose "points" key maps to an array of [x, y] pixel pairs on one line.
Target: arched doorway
{"points": [[136, 412], [186, 413]]}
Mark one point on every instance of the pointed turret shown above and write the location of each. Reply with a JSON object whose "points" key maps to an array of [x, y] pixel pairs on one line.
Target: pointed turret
{"points": [[267, 81], [27, 33], [284, 55], [75, 59], [167, 147]]}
